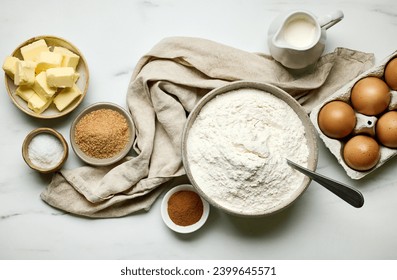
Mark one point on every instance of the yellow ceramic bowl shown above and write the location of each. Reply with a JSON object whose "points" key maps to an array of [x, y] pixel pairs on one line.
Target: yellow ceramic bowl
{"points": [[82, 82]]}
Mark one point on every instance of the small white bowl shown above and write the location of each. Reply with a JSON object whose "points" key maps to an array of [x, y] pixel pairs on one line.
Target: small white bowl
{"points": [[177, 228]]}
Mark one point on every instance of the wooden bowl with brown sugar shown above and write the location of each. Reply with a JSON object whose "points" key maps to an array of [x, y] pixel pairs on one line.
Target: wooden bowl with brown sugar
{"points": [[102, 134]]}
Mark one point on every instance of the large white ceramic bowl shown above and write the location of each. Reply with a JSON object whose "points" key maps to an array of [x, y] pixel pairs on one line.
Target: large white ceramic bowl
{"points": [[309, 132]]}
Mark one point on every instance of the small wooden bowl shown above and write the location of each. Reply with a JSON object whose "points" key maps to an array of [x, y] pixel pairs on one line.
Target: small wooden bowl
{"points": [[82, 83], [28, 139]]}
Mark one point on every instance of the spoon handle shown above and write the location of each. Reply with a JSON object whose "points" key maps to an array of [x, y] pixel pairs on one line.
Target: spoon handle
{"points": [[348, 194]]}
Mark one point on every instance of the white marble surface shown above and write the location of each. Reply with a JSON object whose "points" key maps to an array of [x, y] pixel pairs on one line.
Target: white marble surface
{"points": [[113, 35]]}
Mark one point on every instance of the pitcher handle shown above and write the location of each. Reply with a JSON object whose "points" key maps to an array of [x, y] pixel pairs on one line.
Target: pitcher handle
{"points": [[331, 19]]}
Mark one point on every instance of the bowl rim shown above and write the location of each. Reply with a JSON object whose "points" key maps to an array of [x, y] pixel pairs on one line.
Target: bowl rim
{"points": [[282, 95], [8, 81], [107, 161], [183, 229], [34, 133]]}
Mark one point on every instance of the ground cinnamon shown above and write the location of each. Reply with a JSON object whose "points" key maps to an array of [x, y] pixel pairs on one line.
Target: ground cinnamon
{"points": [[185, 208]]}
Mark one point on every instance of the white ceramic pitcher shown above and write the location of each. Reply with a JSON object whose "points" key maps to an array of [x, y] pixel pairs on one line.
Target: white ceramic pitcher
{"points": [[296, 39]]}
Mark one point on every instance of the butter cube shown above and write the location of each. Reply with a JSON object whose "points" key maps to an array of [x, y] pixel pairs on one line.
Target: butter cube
{"points": [[38, 104], [25, 73], [25, 92], [10, 66], [70, 59], [66, 96], [32, 51], [47, 59], [76, 76], [61, 77], [41, 87]]}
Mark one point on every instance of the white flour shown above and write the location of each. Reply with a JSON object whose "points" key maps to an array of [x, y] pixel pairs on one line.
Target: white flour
{"points": [[237, 150]]}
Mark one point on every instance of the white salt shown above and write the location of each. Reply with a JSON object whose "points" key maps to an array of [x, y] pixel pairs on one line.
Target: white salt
{"points": [[45, 151]]}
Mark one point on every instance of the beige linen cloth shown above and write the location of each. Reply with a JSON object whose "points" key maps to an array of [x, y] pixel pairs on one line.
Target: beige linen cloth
{"points": [[166, 83]]}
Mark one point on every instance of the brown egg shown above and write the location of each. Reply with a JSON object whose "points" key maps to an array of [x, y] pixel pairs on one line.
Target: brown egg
{"points": [[370, 96], [386, 129], [361, 152], [336, 119], [391, 74]]}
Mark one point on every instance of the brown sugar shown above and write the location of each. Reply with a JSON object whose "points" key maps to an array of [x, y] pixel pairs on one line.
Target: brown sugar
{"points": [[185, 208], [102, 133]]}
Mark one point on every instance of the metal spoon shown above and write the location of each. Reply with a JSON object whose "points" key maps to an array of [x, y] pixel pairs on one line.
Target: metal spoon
{"points": [[348, 194]]}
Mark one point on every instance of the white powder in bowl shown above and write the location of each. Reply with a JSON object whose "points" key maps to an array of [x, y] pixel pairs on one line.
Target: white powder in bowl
{"points": [[237, 149], [45, 151]]}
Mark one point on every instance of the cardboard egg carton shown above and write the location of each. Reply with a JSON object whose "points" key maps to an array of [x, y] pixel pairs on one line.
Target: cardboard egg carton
{"points": [[365, 124]]}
